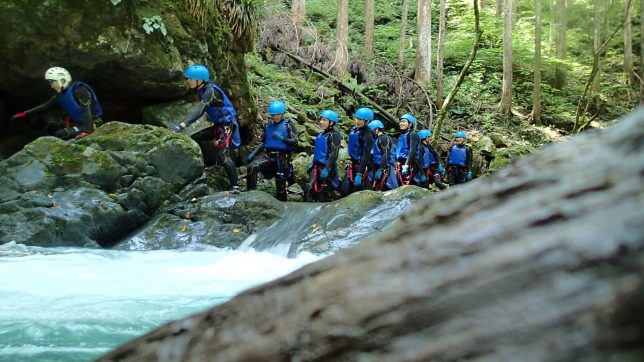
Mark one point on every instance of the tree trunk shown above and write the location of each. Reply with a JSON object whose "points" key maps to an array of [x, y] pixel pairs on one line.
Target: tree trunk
{"points": [[552, 27], [521, 265], [342, 34], [506, 96], [628, 44], [597, 34], [369, 9], [424, 42], [403, 33], [536, 93], [562, 47], [439, 55], [298, 12], [499, 8]]}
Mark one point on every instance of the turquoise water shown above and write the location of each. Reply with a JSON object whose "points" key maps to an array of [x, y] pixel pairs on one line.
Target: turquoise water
{"points": [[70, 304]]}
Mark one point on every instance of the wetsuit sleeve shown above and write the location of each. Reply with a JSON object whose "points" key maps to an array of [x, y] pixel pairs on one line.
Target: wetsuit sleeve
{"points": [[367, 146], [85, 100], [468, 162], [335, 141], [384, 143], [51, 103], [291, 138], [414, 140], [210, 98]]}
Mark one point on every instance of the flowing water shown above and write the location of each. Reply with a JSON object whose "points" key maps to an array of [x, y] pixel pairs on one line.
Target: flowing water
{"points": [[71, 304]]}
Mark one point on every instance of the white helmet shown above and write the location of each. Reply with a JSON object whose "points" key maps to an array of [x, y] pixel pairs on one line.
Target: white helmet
{"points": [[60, 74]]}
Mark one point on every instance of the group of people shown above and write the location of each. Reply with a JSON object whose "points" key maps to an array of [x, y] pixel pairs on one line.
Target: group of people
{"points": [[377, 161]]}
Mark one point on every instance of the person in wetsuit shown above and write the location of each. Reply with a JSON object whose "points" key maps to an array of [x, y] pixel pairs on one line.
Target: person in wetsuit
{"points": [[220, 111], [323, 172], [76, 98], [280, 136], [459, 160], [431, 169], [382, 175], [360, 143], [406, 150]]}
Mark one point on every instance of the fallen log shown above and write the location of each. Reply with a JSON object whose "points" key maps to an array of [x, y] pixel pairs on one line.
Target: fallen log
{"points": [[543, 260]]}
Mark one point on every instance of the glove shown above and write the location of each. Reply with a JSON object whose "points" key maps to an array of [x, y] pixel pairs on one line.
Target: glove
{"points": [[177, 128], [423, 178], [278, 136], [441, 170], [17, 116], [468, 176], [357, 182], [324, 173], [378, 175], [405, 170], [81, 135], [250, 157]]}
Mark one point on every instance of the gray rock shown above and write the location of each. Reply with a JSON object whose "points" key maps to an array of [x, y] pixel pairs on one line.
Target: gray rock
{"points": [[95, 190], [542, 261]]}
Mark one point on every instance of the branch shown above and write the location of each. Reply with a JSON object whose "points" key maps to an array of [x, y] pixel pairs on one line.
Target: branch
{"points": [[461, 77], [388, 117]]}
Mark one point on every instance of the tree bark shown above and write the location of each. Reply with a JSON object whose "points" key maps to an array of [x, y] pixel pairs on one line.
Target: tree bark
{"points": [[439, 55], [597, 35], [342, 34], [559, 279], [506, 96], [536, 93], [369, 9], [499, 8], [298, 12], [424, 42], [403, 33], [628, 44]]}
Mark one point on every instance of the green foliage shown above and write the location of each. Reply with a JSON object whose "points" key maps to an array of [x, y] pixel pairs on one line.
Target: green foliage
{"points": [[115, 2], [153, 23]]}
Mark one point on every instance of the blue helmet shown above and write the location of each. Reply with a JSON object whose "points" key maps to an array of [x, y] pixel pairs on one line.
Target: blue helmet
{"points": [[409, 118], [460, 134], [376, 123], [330, 115], [364, 113], [424, 134], [276, 107], [198, 72]]}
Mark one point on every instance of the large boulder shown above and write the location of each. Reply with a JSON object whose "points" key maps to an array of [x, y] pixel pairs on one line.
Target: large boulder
{"points": [[543, 260], [107, 44], [94, 190]]}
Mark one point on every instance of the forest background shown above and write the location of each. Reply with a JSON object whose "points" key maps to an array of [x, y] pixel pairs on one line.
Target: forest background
{"points": [[542, 69]]}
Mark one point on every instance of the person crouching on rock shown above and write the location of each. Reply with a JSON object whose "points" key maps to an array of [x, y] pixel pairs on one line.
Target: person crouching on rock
{"points": [[220, 111], [77, 99], [280, 136], [323, 172]]}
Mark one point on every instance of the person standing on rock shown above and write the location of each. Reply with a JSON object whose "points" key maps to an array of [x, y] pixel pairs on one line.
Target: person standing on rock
{"points": [[382, 175], [76, 98], [407, 150], [359, 144], [323, 172], [220, 111], [280, 136], [459, 160], [431, 168]]}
